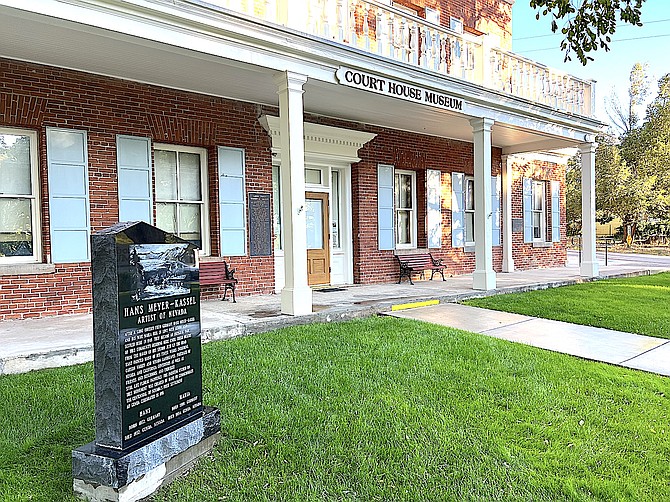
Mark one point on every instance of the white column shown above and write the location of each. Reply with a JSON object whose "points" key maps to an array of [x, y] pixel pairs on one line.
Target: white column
{"points": [[589, 266], [508, 260], [484, 278], [296, 297]]}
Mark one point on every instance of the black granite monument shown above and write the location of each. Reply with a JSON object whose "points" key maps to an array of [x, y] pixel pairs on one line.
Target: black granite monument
{"points": [[150, 423]]}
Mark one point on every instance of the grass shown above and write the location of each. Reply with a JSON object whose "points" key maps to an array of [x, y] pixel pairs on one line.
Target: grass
{"points": [[634, 305], [377, 409]]}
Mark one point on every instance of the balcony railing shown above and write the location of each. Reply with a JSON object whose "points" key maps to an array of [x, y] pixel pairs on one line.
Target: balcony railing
{"points": [[375, 27]]}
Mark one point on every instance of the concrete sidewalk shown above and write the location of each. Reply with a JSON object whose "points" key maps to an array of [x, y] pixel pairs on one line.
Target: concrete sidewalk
{"points": [[598, 344], [58, 341]]}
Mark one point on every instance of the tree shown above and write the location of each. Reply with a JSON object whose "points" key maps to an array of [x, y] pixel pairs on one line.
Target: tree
{"points": [[573, 195], [625, 119], [589, 25], [621, 191]]}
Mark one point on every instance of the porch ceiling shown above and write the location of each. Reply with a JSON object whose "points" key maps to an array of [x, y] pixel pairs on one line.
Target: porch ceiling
{"points": [[41, 39]]}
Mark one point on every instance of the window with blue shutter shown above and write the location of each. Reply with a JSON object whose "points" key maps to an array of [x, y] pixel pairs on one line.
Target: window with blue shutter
{"points": [[67, 161], [133, 161], [385, 207], [232, 205], [527, 210], [555, 211], [495, 210], [457, 210], [434, 223]]}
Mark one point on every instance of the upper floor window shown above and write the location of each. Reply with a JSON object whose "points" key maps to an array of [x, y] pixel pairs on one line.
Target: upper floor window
{"points": [[180, 192], [19, 201], [405, 208]]}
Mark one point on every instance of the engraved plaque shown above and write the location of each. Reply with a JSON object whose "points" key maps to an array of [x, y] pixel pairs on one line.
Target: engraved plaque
{"points": [[260, 224]]}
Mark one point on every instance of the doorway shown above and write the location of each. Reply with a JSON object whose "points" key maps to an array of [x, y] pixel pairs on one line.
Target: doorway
{"points": [[318, 238]]}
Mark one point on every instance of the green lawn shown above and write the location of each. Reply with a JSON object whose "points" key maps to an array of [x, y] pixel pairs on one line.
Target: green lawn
{"points": [[377, 409], [635, 305]]}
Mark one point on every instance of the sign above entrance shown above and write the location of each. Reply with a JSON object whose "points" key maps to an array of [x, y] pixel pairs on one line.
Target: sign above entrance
{"points": [[396, 89]]}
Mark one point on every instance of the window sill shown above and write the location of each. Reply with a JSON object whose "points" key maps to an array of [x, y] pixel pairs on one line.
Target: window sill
{"points": [[542, 244], [27, 269]]}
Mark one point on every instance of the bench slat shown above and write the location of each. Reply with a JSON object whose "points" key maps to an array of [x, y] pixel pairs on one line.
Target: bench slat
{"points": [[418, 263]]}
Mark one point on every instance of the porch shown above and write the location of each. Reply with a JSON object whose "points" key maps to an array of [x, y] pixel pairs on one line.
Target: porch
{"points": [[65, 340]]}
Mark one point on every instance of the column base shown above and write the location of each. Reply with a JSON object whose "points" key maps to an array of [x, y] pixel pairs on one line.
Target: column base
{"points": [[508, 266], [296, 301], [484, 280], [589, 269]]}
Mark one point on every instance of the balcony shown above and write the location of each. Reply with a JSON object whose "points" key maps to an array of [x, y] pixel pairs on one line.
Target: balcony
{"points": [[384, 30]]}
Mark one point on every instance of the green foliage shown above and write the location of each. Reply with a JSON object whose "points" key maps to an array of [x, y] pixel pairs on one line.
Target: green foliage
{"points": [[573, 195], [376, 409], [632, 175], [590, 23], [632, 305]]}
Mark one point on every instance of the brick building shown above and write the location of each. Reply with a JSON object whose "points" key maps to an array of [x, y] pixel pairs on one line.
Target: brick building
{"points": [[305, 147]]}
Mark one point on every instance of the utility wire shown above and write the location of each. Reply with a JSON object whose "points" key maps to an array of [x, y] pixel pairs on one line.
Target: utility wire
{"points": [[612, 42], [618, 27]]}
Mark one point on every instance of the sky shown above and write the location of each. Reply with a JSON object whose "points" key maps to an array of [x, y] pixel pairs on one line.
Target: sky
{"points": [[649, 44]]}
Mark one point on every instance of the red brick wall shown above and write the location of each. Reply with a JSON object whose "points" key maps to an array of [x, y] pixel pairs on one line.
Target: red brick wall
{"points": [[526, 256], [35, 97]]}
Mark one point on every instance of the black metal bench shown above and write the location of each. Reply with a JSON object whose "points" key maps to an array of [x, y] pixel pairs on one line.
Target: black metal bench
{"points": [[217, 273], [419, 263]]}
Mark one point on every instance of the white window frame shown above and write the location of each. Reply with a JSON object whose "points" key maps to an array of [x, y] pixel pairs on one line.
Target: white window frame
{"points": [[432, 15], [336, 208], [277, 216], [204, 205], [412, 210], [541, 186], [466, 212], [36, 223]]}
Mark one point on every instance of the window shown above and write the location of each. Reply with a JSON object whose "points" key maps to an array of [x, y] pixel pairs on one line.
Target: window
{"points": [[469, 211], [538, 211], [432, 16], [313, 176], [180, 192], [19, 205], [276, 208], [405, 208], [456, 24], [335, 209]]}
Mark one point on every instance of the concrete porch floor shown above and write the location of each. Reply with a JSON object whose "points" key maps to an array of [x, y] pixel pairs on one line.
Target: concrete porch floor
{"points": [[58, 341]]}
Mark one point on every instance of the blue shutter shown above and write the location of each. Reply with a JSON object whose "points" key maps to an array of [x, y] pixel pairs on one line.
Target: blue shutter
{"points": [[495, 210], [232, 204], [457, 210], [133, 162], [434, 186], [527, 210], [67, 161], [555, 211], [385, 230]]}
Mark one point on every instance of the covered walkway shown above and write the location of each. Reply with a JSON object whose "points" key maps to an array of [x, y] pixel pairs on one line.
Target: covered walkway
{"points": [[58, 341]]}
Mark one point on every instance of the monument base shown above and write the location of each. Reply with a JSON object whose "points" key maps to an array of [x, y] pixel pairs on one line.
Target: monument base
{"points": [[101, 474]]}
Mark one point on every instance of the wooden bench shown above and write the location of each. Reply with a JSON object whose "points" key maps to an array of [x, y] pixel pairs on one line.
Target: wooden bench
{"points": [[218, 273], [419, 263]]}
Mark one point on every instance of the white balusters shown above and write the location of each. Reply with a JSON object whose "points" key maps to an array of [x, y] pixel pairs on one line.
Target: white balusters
{"points": [[339, 20]]}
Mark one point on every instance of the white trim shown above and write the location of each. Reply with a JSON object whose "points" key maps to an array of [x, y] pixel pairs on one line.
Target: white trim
{"points": [[542, 184], [35, 210], [414, 210], [466, 211], [324, 145], [204, 186]]}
